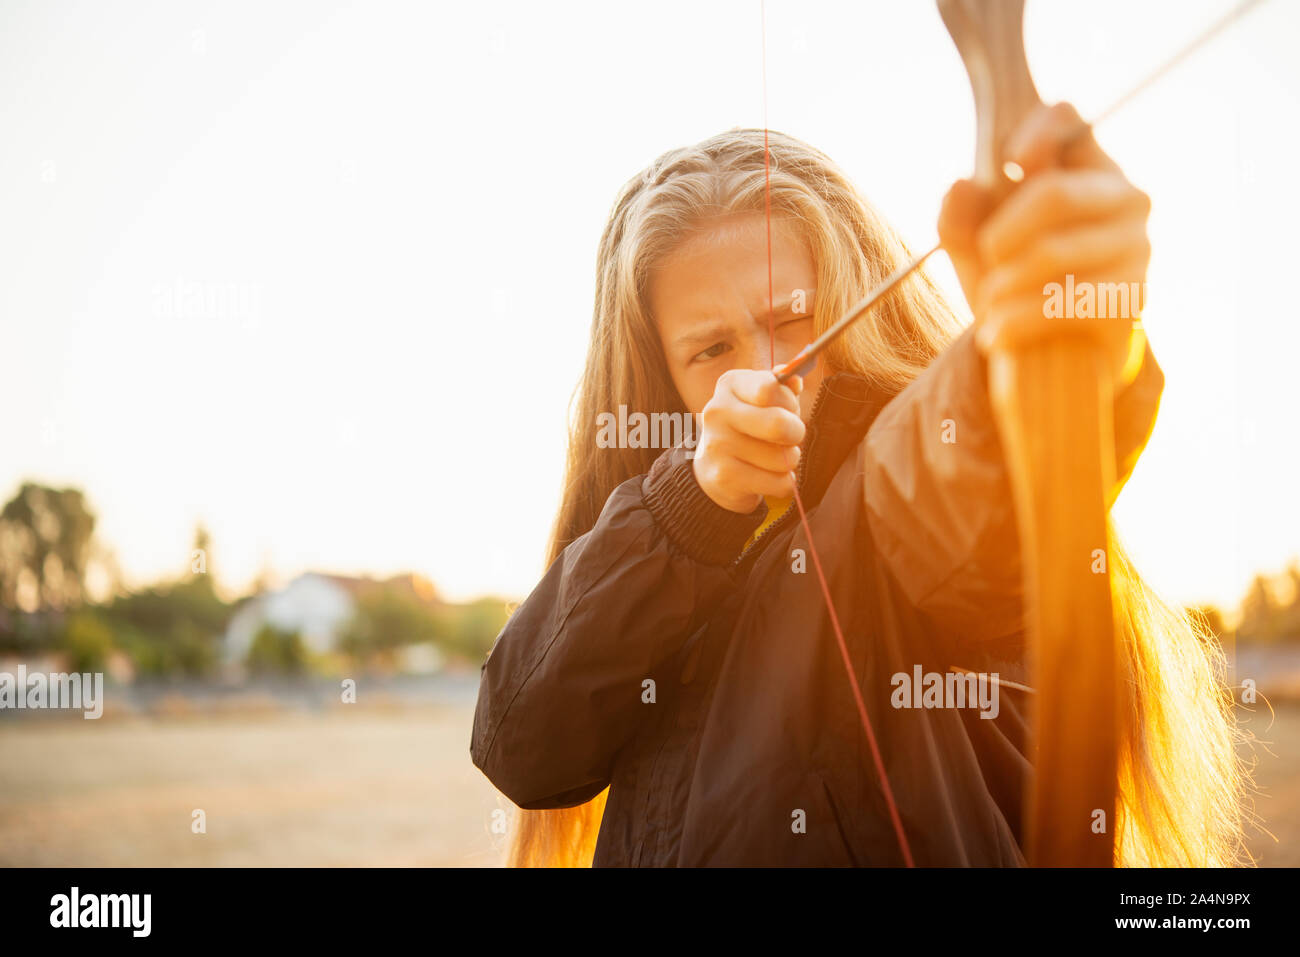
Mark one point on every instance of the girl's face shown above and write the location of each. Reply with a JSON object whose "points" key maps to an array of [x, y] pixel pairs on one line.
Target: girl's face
{"points": [[709, 300]]}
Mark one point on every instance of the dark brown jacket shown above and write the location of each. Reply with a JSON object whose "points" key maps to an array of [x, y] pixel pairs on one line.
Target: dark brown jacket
{"points": [[753, 727]]}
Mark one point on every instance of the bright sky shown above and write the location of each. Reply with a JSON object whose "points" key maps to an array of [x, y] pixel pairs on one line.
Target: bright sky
{"points": [[396, 208]]}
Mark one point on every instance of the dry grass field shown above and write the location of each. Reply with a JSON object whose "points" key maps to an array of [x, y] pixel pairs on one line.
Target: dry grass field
{"points": [[342, 788]]}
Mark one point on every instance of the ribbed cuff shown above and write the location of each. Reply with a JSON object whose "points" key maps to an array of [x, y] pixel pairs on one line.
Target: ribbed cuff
{"points": [[692, 521]]}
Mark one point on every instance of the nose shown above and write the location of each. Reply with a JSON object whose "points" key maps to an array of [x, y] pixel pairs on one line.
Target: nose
{"points": [[759, 352]]}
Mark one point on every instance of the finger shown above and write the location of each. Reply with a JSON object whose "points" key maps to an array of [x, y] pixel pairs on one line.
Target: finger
{"points": [[768, 456], [759, 388], [964, 208], [1054, 136], [1054, 198], [795, 384], [740, 474], [1018, 323], [1083, 250], [1110, 315], [777, 425]]}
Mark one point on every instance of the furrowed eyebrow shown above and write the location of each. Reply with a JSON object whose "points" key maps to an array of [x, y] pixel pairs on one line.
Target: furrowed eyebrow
{"points": [[708, 334], [718, 330], [780, 309], [785, 307]]}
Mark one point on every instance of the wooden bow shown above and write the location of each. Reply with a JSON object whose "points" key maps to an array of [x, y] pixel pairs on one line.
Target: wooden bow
{"points": [[1053, 403]]}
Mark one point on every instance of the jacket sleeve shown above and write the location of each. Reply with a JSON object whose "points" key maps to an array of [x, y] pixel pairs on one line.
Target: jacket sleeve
{"points": [[561, 690], [938, 494]]}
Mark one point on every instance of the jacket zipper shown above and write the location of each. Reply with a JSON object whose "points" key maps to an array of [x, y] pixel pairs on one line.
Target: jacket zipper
{"points": [[793, 508]]}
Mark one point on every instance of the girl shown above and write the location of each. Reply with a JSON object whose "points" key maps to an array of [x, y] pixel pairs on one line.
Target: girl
{"points": [[672, 693]]}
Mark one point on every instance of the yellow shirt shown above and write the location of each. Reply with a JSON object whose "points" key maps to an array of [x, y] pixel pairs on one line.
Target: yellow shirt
{"points": [[775, 509]]}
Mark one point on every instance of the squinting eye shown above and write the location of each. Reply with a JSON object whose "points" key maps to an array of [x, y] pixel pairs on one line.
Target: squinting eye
{"points": [[705, 356]]}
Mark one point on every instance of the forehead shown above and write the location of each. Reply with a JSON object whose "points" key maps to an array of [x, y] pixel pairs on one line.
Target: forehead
{"points": [[721, 271]]}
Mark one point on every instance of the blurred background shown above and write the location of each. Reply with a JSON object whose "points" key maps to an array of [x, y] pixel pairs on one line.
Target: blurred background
{"points": [[293, 297]]}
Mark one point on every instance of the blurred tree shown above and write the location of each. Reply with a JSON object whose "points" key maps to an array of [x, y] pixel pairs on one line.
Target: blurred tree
{"points": [[277, 652], [201, 554], [470, 629], [1288, 619], [1259, 613], [171, 628], [87, 640], [45, 545], [386, 619]]}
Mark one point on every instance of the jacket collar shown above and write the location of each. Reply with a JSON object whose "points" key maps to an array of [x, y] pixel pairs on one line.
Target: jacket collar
{"points": [[843, 410]]}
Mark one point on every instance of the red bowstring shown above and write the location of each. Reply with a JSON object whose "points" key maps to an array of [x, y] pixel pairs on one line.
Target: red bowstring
{"points": [[803, 516]]}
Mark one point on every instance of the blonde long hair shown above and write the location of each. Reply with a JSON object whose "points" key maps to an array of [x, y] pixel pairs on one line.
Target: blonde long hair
{"points": [[1181, 780]]}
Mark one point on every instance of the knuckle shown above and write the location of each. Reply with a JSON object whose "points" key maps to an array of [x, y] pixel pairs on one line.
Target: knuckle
{"points": [[1056, 187], [1064, 113], [1051, 255], [789, 425], [768, 425]]}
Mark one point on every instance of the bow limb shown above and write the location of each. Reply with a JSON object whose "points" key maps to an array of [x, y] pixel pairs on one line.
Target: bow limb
{"points": [[1053, 402]]}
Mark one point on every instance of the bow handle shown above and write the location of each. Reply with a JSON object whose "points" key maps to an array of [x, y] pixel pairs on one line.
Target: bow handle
{"points": [[1053, 404], [990, 38]]}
